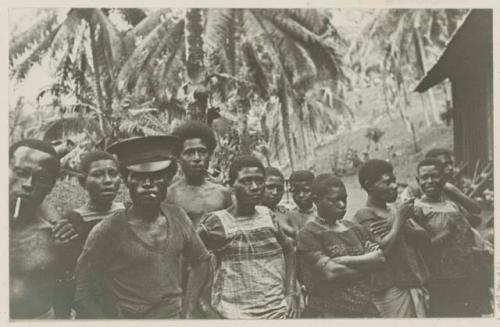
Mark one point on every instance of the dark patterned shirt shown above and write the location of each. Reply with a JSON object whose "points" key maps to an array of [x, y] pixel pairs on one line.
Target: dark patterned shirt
{"points": [[453, 257], [340, 299]]}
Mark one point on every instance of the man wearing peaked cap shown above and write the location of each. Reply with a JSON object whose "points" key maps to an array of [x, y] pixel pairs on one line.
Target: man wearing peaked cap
{"points": [[135, 256], [147, 154]]}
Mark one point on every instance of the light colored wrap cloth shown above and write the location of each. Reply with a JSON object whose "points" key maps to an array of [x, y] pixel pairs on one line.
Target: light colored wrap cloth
{"points": [[397, 302]]}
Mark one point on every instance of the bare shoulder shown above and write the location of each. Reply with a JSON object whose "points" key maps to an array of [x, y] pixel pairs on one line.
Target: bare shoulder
{"points": [[210, 185], [178, 184]]}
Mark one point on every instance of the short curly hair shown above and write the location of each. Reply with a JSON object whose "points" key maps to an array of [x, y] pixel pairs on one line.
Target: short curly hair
{"points": [[324, 182], [87, 158], [243, 161], [301, 176], [372, 170], [436, 152], [430, 162], [273, 171], [194, 129]]}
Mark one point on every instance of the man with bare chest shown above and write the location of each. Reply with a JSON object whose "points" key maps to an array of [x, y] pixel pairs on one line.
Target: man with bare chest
{"points": [[40, 249], [194, 191], [131, 265]]}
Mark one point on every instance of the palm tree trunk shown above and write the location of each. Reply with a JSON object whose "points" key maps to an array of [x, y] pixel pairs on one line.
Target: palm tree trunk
{"points": [[195, 65], [285, 119], [243, 108], [194, 43], [97, 79]]}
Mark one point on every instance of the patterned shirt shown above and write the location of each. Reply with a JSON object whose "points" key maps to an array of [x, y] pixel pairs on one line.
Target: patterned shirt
{"points": [[344, 299], [250, 278], [453, 257]]}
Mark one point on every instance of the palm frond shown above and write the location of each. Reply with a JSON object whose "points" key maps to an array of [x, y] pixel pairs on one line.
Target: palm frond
{"points": [[131, 128], [43, 26], [220, 34], [69, 28], [322, 53], [333, 101], [256, 71], [142, 55], [255, 25], [61, 127], [314, 20], [111, 43], [133, 16], [150, 23], [172, 66], [36, 55]]}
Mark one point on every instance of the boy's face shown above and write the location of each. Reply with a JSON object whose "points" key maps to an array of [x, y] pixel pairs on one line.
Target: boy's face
{"points": [[194, 158], [301, 194], [385, 188], [249, 186], [447, 162], [102, 181], [332, 205], [275, 187], [431, 181]]}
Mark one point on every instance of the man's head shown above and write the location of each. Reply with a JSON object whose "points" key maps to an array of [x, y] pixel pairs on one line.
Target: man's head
{"points": [[446, 158], [274, 187], [377, 178], [197, 144], [247, 177], [34, 168], [147, 165], [430, 177], [329, 195], [300, 186], [101, 177]]}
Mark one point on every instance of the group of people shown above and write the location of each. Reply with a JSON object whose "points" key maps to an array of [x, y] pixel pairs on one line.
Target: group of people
{"points": [[185, 246]]}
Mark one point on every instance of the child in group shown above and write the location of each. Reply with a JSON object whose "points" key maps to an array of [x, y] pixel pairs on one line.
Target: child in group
{"points": [[255, 274], [336, 256], [300, 187], [101, 180], [453, 290], [450, 191], [398, 288]]}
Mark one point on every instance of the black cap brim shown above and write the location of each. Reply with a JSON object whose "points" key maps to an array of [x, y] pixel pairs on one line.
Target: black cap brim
{"points": [[150, 167]]}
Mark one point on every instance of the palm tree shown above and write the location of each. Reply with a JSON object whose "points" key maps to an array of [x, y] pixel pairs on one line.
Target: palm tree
{"points": [[277, 48], [230, 46], [269, 50], [405, 39]]}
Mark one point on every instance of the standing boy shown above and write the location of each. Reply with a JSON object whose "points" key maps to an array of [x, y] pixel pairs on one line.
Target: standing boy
{"points": [[304, 211], [336, 256], [453, 292], [398, 288], [255, 277]]}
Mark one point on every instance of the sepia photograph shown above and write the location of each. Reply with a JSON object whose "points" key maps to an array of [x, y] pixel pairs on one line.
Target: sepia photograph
{"points": [[250, 163]]}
